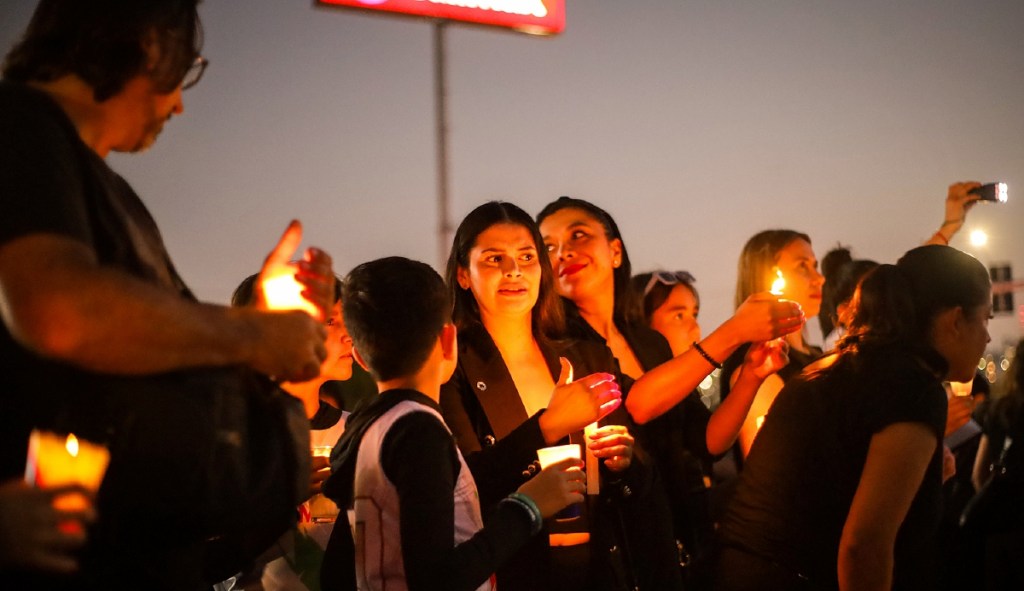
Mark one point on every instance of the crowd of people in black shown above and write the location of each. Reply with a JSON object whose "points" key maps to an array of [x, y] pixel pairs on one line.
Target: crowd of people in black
{"points": [[868, 463]]}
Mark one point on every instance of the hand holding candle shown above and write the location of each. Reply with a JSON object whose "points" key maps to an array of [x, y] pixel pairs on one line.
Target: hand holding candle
{"points": [[320, 509], [34, 535], [763, 316], [560, 482], [611, 443], [306, 285], [576, 404], [56, 461]]}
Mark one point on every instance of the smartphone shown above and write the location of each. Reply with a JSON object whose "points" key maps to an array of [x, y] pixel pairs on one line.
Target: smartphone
{"points": [[991, 192]]}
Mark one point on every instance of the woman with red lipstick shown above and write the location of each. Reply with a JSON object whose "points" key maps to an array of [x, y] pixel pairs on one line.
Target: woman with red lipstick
{"points": [[590, 260], [513, 393], [767, 256]]}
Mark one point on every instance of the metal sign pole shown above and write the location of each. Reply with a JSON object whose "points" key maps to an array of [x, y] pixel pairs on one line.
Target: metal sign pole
{"points": [[444, 226]]}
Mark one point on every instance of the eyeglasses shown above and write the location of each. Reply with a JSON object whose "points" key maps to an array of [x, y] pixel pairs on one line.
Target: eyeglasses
{"points": [[667, 278], [194, 72]]}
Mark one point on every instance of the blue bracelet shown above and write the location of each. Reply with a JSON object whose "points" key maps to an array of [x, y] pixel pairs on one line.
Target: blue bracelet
{"points": [[527, 504]]}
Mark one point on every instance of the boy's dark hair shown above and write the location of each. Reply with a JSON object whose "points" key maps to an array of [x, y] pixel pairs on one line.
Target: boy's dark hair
{"points": [[394, 311], [102, 42]]}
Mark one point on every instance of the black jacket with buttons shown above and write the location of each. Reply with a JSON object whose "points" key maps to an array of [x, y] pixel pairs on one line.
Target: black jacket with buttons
{"points": [[499, 441]]}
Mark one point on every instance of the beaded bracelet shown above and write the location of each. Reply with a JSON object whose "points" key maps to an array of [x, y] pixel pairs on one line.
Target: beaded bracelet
{"points": [[521, 500], [705, 355]]}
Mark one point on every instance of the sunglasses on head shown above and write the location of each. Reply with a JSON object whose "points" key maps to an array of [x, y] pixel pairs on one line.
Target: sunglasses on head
{"points": [[669, 278]]}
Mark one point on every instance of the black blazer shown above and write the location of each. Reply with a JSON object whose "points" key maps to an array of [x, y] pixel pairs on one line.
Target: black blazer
{"points": [[482, 407]]}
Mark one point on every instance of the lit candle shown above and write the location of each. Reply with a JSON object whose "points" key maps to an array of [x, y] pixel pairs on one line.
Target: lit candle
{"points": [[283, 292], [55, 460], [593, 469], [779, 284]]}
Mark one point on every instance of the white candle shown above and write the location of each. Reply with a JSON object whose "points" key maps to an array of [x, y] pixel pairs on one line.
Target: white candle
{"points": [[593, 467]]}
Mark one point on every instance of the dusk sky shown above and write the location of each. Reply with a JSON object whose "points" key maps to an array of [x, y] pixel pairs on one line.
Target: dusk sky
{"points": [[696, 123]]}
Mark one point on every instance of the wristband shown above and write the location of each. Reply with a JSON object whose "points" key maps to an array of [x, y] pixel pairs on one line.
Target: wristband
{"points": [[706, 356], [527, 504]]}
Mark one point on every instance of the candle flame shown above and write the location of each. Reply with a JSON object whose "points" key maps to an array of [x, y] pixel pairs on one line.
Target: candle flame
{"points": [[779, 284], [72, 445], [285, 293]]}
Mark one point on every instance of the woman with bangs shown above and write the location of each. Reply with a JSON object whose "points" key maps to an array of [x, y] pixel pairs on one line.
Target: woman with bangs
{"points": [[592, 270], [513, 393]]}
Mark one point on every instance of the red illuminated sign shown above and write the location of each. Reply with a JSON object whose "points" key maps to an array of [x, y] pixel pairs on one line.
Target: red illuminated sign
{"points": [[542, 17]]}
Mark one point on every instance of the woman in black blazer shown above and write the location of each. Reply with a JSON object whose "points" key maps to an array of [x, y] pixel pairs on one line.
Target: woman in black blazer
{"points": [[512, 394]]}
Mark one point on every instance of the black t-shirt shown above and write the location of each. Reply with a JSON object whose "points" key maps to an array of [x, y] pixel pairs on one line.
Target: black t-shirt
{"points": [[796, 488], [52, 183]]}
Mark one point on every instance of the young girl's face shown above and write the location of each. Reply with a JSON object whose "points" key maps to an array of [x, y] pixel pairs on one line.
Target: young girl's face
{"points": [[338, 364], [676, 318]]}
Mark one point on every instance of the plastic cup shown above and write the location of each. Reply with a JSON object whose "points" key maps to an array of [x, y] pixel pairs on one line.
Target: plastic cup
{"points": [[322, 509], [553, 455]]}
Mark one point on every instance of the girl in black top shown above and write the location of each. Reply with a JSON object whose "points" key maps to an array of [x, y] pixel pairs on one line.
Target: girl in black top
{"points": [[842, 487]]}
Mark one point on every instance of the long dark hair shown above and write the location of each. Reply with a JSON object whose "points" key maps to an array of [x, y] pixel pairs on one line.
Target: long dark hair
{"points": [[896, 304], [102, 42], [842, 273], [548, 316], [626, 307]]}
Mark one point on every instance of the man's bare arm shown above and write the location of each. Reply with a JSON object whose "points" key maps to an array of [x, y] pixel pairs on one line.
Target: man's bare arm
{"points": [[57, 301]]}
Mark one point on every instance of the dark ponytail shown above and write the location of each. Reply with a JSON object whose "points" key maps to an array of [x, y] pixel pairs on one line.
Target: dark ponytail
{"points": [[896, 304], [842, 273]]}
